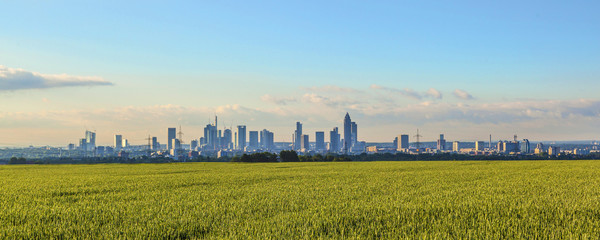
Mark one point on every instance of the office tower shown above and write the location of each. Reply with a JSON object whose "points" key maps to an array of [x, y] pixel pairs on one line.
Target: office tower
{"points": [[118, 143], [226, 140], [155, 144], [241, 135], [403, 143], [395, 142], [441, 143], [334, 140], [176, 146], [193, 145], [90, 139], [266, 140], [171, 133], [211, 137], [479, 145], [253, 139], [525, 147], [319, 141], [305, 144], [83, 144], [354, 133], [125, 143], [347, 133], [297, 136]]}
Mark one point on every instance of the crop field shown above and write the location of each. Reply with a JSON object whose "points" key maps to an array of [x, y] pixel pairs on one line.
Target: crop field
{"points": [[495, 199]]}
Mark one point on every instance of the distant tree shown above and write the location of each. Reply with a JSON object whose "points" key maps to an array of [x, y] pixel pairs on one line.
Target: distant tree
{"points": [[289, 156], [15, 160]]}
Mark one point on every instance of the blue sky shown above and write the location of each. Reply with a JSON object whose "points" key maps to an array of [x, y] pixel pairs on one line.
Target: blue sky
{"points": [[530, 67]]}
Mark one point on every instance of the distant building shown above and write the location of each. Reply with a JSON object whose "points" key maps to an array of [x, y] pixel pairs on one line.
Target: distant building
{"points": [[193, 144], [266, 140], [500, 147], [319, 141], [83, 144], [253, 139], [553, 151], [539, 148], [441, 143], [297, 137], [456, 146], [479, 146], [155, 144], [241, 137], [171, 133], [525, 147], [90, 138], [347, 133], [118, 142], [334, 140], [403, 143], [305, 144], [226, 141], [354, 128]]}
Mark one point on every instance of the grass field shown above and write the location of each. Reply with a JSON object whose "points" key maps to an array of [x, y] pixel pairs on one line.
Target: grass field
{"points": [[497, 199]]}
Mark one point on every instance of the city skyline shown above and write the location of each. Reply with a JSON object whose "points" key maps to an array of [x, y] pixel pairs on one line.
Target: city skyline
{"points": [[464, 69]]}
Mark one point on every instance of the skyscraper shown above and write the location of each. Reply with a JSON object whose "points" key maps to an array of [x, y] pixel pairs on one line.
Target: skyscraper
{"points": [[241, 135], [253, 139], [347, 133], [403, 143], [334, 140], [298, 136], [90, 139], [155, 144], [266, 139], [305, 144], [441, 143], [354, 133], [319, 141], [171, 133], [226, 140], [118, 143], [211, 137]]}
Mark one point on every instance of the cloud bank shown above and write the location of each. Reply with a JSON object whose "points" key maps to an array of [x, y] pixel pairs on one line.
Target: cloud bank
{"points": [[12, 79]]}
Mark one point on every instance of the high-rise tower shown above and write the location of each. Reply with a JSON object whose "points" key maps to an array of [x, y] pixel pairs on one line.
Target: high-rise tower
{"points": [[171, 134], [347, 133], [298, 136]]}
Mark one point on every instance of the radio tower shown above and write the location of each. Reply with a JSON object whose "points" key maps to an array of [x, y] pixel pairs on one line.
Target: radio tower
{"points": [[418, 140]]}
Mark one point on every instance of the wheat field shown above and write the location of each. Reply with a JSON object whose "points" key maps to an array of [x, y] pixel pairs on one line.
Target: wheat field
{"points": [[366, 200]]}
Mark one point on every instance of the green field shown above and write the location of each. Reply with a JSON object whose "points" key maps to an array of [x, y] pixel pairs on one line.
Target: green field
{"points": [[496, 199]]}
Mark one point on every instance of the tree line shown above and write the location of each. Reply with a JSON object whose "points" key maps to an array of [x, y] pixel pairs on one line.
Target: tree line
{"points": [[292, 156]]}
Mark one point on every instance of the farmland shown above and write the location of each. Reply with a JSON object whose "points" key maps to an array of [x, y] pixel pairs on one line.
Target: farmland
{"points": [[471, 199]]}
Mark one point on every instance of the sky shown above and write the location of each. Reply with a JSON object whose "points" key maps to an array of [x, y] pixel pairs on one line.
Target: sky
{"points": [[466, 69]]}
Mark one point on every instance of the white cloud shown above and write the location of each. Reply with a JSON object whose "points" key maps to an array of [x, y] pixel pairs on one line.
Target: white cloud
{"points": [[462, 94], [434, 93], [19, 79]]}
